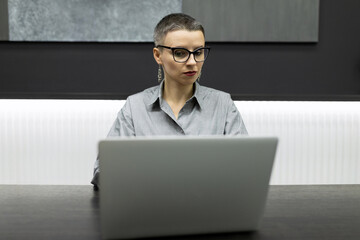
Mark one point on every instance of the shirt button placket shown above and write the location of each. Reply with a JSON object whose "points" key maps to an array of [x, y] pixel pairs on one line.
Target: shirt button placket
{"points": [[182, 131]]}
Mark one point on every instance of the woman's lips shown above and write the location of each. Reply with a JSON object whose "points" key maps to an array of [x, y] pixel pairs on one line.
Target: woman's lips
{"points": [[190, 73]]}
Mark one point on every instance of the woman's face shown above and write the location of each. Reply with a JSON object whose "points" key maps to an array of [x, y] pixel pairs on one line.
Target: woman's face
{"points": [[181, 73]]}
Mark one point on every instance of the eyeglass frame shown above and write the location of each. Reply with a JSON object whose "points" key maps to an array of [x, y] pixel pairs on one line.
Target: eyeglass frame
{"points": [[190, 52]]}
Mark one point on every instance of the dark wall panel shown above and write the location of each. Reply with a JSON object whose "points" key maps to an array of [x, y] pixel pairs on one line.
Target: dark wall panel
{"points": [[327, 70], [76, 70], [4, 25]]}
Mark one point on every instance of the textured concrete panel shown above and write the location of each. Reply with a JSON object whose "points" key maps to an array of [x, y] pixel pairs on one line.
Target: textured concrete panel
{"points": [[4, 29], [87, 20], [257, 20]]}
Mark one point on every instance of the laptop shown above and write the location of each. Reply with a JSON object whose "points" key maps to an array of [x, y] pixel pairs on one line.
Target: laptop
{"points": [[170, 186]]}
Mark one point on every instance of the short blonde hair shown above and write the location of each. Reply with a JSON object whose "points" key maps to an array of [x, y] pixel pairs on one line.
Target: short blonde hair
{"points": [[173, 22]]}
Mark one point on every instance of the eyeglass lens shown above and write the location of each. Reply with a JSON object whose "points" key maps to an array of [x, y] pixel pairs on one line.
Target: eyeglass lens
{"points": [[182, 55]]}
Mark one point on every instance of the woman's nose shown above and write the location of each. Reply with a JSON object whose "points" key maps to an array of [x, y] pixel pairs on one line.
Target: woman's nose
{"points": [[191, 60]]}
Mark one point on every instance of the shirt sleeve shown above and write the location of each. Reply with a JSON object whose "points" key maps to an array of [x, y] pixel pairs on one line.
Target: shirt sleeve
{"points": [[123, 126], [234, 124]]}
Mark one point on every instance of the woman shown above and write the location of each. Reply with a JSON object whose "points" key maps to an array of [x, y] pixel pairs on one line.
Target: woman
{"points": [[178, 105]]}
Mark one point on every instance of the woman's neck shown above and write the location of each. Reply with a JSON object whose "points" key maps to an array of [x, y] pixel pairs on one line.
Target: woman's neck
{"points": [[177, 93]]}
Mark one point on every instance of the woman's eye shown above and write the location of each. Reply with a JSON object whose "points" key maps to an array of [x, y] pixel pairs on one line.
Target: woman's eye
{"points": [[180, 53], [199, 52]]}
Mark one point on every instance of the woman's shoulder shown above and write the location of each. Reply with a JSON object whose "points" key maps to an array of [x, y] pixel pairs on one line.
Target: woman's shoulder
{"points": [[213, 93], [146, 95]]}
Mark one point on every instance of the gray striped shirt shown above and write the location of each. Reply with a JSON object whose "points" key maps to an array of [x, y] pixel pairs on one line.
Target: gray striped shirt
{"points": [[207, 112]]}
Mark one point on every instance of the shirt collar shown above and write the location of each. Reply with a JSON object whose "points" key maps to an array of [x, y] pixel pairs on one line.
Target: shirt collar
{"points": [[198, 94], [157, 95]]}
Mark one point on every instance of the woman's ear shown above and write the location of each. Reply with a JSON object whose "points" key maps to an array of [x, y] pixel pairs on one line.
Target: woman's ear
{"points": [[157, 54]]}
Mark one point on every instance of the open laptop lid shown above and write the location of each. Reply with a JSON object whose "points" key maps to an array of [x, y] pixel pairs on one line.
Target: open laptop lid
{"points": [[189, 185]]}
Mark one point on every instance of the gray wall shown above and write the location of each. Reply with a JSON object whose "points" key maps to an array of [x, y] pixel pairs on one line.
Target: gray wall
{"points": [[257, 20], [87, 20], [134, 21]]}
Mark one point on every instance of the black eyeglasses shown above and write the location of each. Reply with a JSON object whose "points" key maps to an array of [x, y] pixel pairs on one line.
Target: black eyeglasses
{"points": [[181, 55]]}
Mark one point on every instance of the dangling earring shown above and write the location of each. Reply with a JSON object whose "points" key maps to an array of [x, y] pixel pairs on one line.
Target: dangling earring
{"points": [[159, 74], [198, 79]]}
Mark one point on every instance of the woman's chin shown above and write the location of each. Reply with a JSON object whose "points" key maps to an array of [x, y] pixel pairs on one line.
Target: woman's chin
{"points": [[190, 80]]}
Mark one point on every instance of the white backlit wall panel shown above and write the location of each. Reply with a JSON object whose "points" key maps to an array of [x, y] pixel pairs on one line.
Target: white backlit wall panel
{"points": [[55, 141], [52, 141], [319, 141]]}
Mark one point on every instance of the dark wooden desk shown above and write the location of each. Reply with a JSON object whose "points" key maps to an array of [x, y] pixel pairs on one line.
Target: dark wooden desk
{"points": [[72, 212]]}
